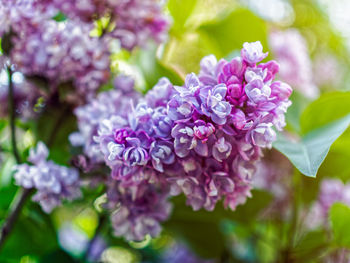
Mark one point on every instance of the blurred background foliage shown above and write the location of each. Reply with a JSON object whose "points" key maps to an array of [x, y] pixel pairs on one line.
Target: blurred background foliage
{"points": [[199, 28]]}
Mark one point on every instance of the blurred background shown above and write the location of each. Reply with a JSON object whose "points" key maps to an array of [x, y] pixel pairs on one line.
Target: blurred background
{"points": [[311, 41]]}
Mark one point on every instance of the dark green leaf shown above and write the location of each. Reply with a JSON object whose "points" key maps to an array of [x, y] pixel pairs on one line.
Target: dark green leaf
{"points": [[6, 42], [58, 256], [60, 17]]}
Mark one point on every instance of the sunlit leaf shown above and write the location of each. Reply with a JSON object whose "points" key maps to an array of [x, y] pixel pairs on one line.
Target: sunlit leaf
{"points": [[180, 10], [329, 107], [238, 27], [339, 219], [308, 154]]}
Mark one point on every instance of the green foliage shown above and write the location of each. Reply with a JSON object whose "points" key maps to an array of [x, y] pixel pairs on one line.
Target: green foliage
{"points": [[58, 256], [230, 32], [308, 154], [180, 10], [339, 219], [295, 111], [329, 107], [153, 69], [311, 246], [53, 127], [31, 236], [60, 17], [201, 229]]}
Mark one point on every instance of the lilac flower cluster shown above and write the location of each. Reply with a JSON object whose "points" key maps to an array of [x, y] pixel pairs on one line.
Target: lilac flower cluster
{"points": [[52, 182], [18, 15], [135, 21], [291, 51], [63, 53], [203, 138], [327, 70], [138, 209], [331, 191], [106, 104]]}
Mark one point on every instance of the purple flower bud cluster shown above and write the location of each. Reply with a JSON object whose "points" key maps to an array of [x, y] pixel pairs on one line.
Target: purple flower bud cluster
{"points": [[114, 102], [62, 52], [290, 49], [138, 210], [136, 21], [52, 182], [331, 191], [201, 139], [18, 15]]}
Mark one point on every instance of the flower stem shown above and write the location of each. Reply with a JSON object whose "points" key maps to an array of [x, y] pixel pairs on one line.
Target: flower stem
{"points": [[15, 209], [22, 194], [293, 229], [12, 110]]}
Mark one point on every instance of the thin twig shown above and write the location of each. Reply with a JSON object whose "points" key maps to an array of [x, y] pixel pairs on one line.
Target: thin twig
{"points": [[22, 194], [15, 209], [292, 233], [11, 103]]}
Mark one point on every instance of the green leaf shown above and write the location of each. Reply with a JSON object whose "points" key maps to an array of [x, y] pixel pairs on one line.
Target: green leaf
{"points": [[293, 115], [180, 10], [58, 256], [238, 27], [28, 237], [153, 69], [308, 154], [311, 246], [60, 17], [339, 219], [53, 127], [6, 42], [329, 107], [201, 229]]}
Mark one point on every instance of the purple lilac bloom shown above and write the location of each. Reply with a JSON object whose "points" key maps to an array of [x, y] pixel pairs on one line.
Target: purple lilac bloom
{"points": [[53, 182], [290, 49], [252, 53], [18, 15], [205, 142], [117, 101], [327, 70], [331, 191], [138, 210], [61, 53], [135, 21]]}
